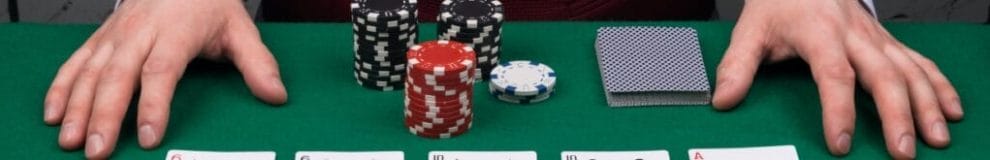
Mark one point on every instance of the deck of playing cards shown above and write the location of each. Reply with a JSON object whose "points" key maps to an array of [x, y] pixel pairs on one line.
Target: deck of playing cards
{"points": [[644, 66]]}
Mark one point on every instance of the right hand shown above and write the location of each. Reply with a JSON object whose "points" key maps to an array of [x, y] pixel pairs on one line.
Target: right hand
{"points": [[151, 42], [842, 43]]}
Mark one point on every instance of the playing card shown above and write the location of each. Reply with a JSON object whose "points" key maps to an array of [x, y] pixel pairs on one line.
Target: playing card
{"points": [[360, 155], [213, 155], [643, 65], [615, 155], [783, 152], [482, 155]]}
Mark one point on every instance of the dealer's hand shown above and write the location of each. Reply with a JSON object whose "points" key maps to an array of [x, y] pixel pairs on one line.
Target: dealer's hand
{"points": [[842, 43], [151, 42]]}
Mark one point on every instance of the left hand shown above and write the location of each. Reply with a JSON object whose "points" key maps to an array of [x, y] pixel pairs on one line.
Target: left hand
{"points": [[144, 47]]}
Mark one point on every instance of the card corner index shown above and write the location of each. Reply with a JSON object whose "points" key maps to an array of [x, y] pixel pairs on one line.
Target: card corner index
{"points": [[350, 155], [630, 155], [482, 155]]}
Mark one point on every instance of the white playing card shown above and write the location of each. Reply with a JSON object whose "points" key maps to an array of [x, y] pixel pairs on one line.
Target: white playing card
{"points": [[615, 155], [782, 152], [212, 155], [360, 155], [482, 155]]}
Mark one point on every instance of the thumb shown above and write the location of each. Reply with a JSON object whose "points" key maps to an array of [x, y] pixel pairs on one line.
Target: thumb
{"points": [[735, 72], [251, 56]]}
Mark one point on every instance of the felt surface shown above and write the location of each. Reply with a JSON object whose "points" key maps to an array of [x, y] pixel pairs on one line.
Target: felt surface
{"points": [[327, 110]]}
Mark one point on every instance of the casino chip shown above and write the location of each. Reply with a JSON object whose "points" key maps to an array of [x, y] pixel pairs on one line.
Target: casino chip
{"points": [[439, 87], [383, 32], [476, 23], [522, 82]]}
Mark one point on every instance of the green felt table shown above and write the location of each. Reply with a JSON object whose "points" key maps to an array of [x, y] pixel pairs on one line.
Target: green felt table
{"points": [[327, 110]]}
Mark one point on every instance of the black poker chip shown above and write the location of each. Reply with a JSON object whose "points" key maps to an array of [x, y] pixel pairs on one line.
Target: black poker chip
{"points": [[383, 32], [470, 35], [471, 13], [384, 75], [359, 20], [371, 42], [394, 38], [383, 46], [447, 27], [403, 27], [488, 56], [381, 86], [383, 10], [382, 50], [381, 61], [372, 66], [480, 40]]}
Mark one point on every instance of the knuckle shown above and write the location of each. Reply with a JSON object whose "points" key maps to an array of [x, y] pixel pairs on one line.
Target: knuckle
{"points": [[148, 105], [887, 75], [90, 72], [840, 73], [59, 88], [926, 63], [157, 67], [113, 75], [133, 21], [932, 116]]}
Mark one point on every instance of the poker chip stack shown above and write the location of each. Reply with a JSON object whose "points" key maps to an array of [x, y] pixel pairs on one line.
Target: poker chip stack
{"points": [[477, 23], [383, 32], [438, 89], [522, 82]]}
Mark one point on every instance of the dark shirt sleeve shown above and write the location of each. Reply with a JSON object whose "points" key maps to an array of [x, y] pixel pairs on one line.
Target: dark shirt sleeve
{"points": [[4, 11], [338, 10]]}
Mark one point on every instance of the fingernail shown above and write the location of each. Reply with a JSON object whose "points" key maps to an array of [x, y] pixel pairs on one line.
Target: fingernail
{"points": [[906, 146], [722, 84], [94, 144], [958, 108], [67, 129], [147, 136], [843, 143], [940, 132], [49, 112]]}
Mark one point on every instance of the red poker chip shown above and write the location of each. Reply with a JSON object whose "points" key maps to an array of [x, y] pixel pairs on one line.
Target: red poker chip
{"points": [[436, 123], [449, 57], [440, 135], [434, 108], [435, 72], [438, 86], [438, 91], [422, 80], [430, 99], [435, 120], [437, 136], [439, 130], [448, 75], [439, 75], [429, 92], [433, 126], [439, 100], [438, 110], [444, 128], [422, 110], [437, 106]]}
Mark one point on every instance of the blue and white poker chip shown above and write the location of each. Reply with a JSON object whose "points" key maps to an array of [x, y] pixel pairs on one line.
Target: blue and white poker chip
{"points": [[523, 78]]}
